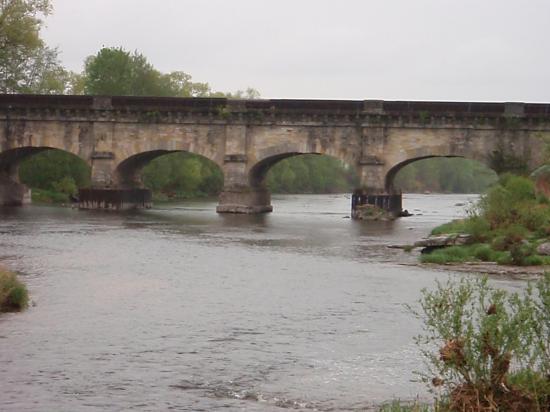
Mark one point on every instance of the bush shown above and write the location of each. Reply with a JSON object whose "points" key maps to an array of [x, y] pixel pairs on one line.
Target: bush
{"points": [[47, 196], [478, 227], [66, 185], [508, 237], [494, 351], [503, 258], [483, 252], [13, 293]]}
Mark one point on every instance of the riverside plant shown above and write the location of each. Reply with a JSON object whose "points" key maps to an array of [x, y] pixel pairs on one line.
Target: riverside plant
{"points": [[13, 294], [485, 349]]}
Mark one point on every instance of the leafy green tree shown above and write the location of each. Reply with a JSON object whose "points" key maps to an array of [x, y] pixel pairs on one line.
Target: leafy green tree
{"points": [[180, 84], [115, 71], [27, 65]]}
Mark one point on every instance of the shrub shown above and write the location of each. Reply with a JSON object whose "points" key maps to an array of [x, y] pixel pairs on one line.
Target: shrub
{"points": [[47, 196], [478, 227], [509, 236], [66, 185], [504, 203], [494, 351], [13, 293], [533, 217], [483, 252], [503, 258]]}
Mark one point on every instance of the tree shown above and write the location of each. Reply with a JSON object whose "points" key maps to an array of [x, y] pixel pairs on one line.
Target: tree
{"points": [[249, 93], [179, 84], [115, 71], [27, 65]]}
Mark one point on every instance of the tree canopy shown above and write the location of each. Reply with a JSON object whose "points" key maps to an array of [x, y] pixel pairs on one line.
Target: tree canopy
{"points": [[27, 65], [115, 71]]}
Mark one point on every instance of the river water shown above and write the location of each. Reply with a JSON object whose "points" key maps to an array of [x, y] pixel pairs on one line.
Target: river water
{"points": [[178, 308]]}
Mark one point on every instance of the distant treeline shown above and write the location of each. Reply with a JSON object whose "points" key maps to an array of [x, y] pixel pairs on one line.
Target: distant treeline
{"points": [[58, 175], [444, 175], [311, 174]]}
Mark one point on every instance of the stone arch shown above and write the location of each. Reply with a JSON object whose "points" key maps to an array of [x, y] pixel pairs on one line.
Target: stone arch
{"points": [[394, 170], [272, 145], [128, 171], [10, 159], [258, 172]]}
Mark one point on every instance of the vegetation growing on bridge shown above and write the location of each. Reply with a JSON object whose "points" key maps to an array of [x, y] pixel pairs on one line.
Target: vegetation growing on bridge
{"points": [[13, 293], [508, 225]]}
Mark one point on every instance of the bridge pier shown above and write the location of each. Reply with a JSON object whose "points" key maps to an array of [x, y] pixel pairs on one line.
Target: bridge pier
{"points": [[373, 191], [114, 199], [245, 200], [390, 202], [13, 193]]}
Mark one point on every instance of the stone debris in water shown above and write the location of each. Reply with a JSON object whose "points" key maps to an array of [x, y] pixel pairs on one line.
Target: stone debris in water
{"points": [[444, 240], [372, 212], [439, 241]]}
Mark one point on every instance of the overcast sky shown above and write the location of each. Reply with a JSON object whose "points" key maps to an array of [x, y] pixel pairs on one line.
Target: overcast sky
{"points": [[471, 50]]}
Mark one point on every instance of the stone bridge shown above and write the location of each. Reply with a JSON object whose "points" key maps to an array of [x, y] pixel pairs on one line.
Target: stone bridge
{"points": [[118, 136]]}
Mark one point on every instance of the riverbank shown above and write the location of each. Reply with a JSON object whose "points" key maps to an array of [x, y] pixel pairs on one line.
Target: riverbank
{"points": [[509, 226], [487, 268]]}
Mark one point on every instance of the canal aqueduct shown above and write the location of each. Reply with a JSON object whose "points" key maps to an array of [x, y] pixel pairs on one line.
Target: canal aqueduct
{"points": [[117, 136]]}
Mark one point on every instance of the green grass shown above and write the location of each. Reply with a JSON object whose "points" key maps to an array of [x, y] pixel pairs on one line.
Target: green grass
{"points": [[455, 226], [479, 252], [452, 254], [13, 294]]}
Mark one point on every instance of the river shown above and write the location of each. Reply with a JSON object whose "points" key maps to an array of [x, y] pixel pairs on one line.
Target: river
{"points": [[178, 308]]}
